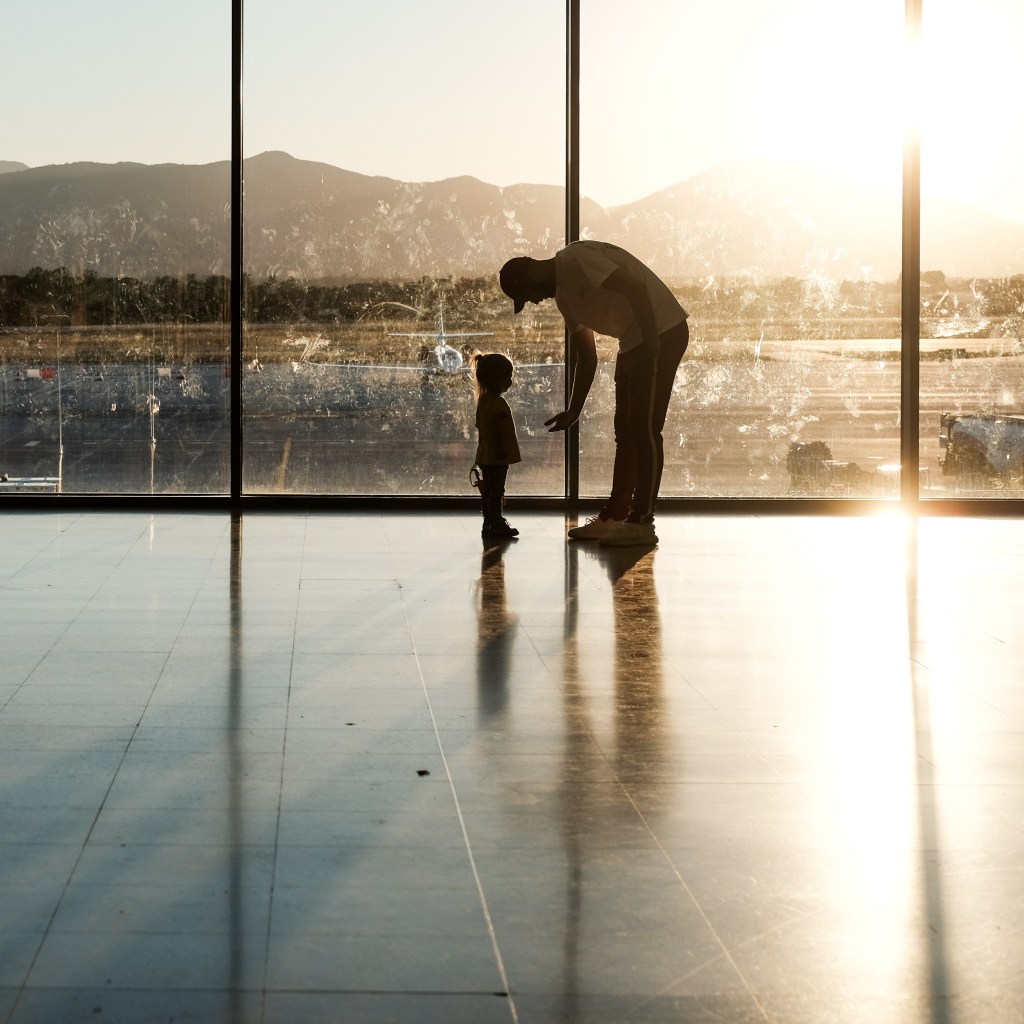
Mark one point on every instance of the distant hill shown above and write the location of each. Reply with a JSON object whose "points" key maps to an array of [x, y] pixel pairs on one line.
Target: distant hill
{"points": [[7, 166], [313, 220], [780, 219], [126, 218]]}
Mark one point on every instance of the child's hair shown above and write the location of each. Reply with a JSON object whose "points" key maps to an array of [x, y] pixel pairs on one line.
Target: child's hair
{"points": [[491, 370]]}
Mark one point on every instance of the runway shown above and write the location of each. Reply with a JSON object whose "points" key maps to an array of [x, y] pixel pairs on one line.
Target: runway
{"points": [[324, 429]]}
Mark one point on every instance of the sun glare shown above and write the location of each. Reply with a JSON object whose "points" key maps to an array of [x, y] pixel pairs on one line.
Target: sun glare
{"points": [[871, 789], [818, 98], [804, 82], [970, 145], [841, 89]]}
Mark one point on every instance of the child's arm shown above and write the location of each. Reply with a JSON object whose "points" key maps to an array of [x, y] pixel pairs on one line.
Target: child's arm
{"points": [[498, 432], [506, 444]]}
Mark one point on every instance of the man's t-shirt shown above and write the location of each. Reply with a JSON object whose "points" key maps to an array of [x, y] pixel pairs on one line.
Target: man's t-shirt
{"points": [[581, 268]]}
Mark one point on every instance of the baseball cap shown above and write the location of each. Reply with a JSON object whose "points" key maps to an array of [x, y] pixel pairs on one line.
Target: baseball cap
{"points": [[511, 277]]}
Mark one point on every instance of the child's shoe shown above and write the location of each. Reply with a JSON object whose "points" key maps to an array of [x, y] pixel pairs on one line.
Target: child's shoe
{"points": [[498, 528]]}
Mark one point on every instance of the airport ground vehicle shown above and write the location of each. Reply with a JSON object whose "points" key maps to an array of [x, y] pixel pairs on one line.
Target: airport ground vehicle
{"points": [[982, 444]]}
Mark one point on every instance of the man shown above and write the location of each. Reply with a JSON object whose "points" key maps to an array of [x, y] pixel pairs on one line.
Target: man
{"points": [[599, 287]]}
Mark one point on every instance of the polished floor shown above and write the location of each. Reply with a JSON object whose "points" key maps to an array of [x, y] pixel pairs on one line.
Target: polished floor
{"points": [[361, 768]]}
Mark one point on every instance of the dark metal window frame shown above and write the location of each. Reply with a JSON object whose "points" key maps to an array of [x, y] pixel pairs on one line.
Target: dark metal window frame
{"points": [[237, 500]]}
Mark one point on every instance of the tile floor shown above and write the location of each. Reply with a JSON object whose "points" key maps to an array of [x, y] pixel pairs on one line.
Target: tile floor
{"points": [[359, 768]]}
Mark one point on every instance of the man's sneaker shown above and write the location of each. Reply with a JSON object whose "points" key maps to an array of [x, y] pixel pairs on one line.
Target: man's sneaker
{"points": [[630, 534], [498, 528], [595, 528]]}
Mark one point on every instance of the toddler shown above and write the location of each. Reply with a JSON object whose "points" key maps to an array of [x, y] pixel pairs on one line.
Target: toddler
{"points": [[497, 444]]}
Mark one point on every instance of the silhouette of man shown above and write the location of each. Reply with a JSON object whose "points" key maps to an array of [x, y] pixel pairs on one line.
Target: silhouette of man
{"points": [[599, 287]]}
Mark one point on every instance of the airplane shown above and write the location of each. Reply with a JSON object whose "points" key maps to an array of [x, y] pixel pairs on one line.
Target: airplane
{"points": [[441, 358], [449, 359]]}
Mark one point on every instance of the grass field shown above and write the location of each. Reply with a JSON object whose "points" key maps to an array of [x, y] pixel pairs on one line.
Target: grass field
{"points": [[529, 339], [534, 339]]}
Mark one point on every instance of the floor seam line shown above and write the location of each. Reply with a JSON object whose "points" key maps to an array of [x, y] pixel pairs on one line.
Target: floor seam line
{"points": [[491, 930]]}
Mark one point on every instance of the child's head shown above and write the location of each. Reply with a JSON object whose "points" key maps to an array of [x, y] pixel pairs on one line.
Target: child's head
{"points": [[493, 373]]}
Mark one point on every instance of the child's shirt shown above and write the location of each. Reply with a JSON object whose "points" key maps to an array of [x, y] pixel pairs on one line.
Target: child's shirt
{"points": [[497, 444]]}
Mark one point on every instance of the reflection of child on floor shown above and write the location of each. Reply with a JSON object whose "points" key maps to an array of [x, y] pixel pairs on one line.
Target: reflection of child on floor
{"points": [[497, 444]]}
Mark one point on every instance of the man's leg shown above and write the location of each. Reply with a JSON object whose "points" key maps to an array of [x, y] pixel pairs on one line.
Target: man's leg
{"points": [[652, 371], [640, 378], [673, 346], [624, 466], [616, 508]]}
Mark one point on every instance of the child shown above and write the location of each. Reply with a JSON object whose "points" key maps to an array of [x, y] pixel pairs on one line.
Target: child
{"points": [[497, 444]]}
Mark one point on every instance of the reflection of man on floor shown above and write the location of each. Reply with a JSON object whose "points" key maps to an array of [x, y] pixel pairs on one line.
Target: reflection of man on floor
{"points": [[601, 288]]}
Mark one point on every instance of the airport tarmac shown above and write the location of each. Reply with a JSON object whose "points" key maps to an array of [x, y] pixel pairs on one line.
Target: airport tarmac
{"points": [[326, 429]]}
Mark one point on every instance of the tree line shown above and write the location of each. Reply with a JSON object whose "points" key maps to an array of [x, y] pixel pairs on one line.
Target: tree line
{"points": [[48, 296], [57, 296]]}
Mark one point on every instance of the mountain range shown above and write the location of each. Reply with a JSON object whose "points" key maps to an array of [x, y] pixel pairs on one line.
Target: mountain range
{"points": [[312, 221]]}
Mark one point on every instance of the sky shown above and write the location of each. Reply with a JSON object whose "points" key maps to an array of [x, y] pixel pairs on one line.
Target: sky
{"points": [[423, 91]]}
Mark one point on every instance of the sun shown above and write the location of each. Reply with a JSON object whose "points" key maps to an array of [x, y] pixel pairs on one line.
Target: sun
{"points": [[844, 89]]}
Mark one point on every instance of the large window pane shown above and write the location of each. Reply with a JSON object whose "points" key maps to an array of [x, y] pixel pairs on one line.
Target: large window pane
{"points": [[396, 156], [114, 247], [751, 154], [972, 237]]}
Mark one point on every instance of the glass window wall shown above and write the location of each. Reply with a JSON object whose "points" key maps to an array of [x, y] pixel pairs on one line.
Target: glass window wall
{"points": [[972, 252], [751, 155], [394, 160], [115, 248]]}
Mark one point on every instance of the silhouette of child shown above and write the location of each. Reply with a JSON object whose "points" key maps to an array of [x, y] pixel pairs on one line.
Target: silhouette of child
{"points": [[497, 444]]}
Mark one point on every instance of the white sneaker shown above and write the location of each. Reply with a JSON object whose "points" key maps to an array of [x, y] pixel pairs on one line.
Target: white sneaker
{"points": [[595, 528], [629, 534]]}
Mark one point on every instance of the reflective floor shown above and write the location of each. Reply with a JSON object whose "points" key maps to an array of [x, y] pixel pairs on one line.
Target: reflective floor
{"points": [[359, 768]]}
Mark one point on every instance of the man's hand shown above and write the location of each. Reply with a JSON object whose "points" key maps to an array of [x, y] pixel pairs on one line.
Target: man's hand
{"points": [[582, 367], [563, 421]]}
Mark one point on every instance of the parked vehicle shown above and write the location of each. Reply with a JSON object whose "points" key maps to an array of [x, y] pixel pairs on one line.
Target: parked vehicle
{"points": [[982, 444]]}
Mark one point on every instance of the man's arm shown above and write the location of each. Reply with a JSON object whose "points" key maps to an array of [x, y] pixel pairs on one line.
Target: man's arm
{"points": [[582, 367]]}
